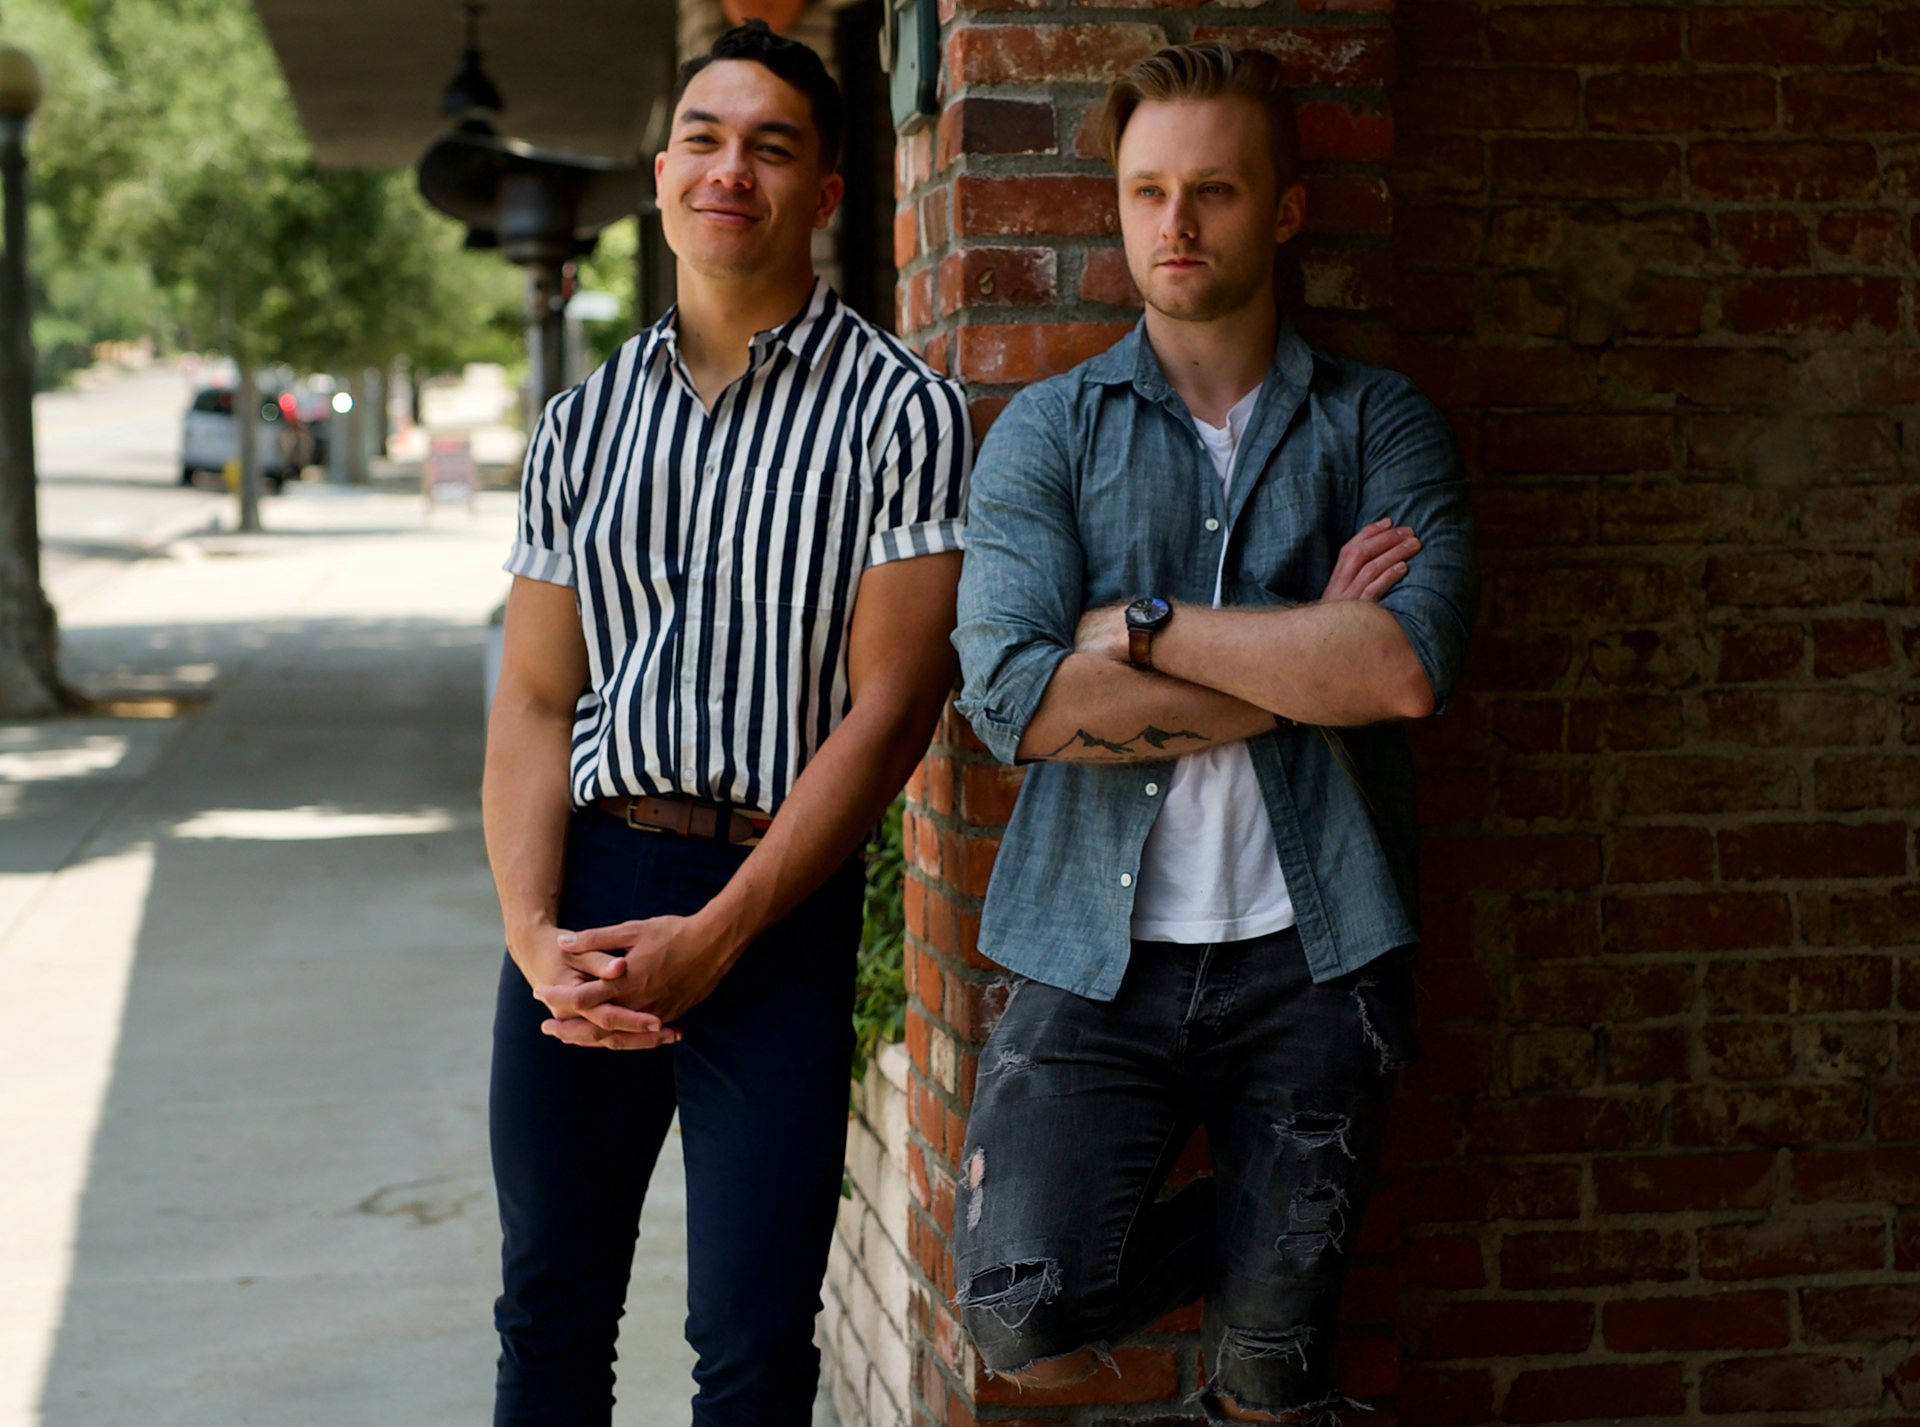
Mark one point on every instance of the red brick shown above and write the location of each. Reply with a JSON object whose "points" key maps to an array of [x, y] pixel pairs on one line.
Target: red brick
{"points": [[1709, 377], [1667, 307], [1875, 919], [1584, 992], [1855, 782], [1692, 1324], [1443, 1261], [1583, 35], [1698, 921], [1645, 1055], [1776, 1248], [1346, 279], [1477, 1192], [1790, 579], [1800, 1381], [1436, 32], [977, 124], [1703, 785], [1782, 35], [1747, 1050], [1318, 54], [1512, 863], [1802, 719], [1585, 169], [1671, 1183], [1783, 172], [1764, 240], [1050, 53], [1805, 850], [1874, 240], [1592, 1390], [1798, 305], [1438, 164], [1670, 104], [1436, 1397], [1492, 1329], [1145, 1374], [1876, 1176], [1350, 204], [1863, 514], [1579, 1258], [1865, 1313], [1660, 854], [1845, 647], [1030, 351], [1896, 1111], [1851, 103], [1873, 377], [1772, 1115], [1566, 444], [1023, 206], [1561, 1124], [1553, 930], [988, 791], [1483, 99], [1662, 512], [1436, 306], [997, 277], [1338, 132]]}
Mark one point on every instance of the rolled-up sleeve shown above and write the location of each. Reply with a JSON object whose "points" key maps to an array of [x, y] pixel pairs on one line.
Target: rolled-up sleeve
{"points": [[923, 476], [1022, 586], [542, 541], [1413, 475]]}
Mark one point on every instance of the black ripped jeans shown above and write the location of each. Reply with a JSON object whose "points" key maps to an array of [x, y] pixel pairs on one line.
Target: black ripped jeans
{"points": [[1060, 1237]]}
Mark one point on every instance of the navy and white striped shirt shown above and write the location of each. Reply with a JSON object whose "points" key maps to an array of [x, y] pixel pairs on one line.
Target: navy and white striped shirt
{"points": [[716, 556]]}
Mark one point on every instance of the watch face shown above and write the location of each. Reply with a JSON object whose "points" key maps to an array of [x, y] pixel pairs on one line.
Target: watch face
{"points": [[1148, 613]]}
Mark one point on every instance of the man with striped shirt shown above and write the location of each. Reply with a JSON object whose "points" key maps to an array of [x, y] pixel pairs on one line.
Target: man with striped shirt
{"points": [[725, 651]]}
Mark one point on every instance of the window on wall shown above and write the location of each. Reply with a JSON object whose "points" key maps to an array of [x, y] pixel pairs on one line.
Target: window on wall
{"points": [[866, 163]]}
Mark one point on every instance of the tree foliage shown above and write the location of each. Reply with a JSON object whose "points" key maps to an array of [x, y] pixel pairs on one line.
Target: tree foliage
{"points": [[175, 194]]}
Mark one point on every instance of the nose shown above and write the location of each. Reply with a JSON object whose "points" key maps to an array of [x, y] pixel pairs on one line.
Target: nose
{"points": [[730, 168], [1179, 219]]}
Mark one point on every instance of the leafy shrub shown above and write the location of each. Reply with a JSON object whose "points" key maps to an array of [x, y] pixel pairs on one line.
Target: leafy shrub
{"points": [[880, 985]]}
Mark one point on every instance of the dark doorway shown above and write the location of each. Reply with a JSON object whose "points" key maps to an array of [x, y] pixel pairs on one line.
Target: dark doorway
{"points": [[866, 213]]}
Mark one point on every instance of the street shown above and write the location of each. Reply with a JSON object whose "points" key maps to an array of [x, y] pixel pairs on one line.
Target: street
{"points": [[248, 951]]}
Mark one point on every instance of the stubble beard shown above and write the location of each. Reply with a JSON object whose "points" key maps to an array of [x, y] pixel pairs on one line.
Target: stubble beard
{"points": [[1225, 294]]}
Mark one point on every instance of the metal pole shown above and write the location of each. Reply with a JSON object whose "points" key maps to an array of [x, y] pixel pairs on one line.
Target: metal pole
{"points": [[546, 333], [29, 640], [246, 419]]}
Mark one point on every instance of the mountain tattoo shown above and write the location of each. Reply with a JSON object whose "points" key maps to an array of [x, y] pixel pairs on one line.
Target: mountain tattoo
{"points": [[1154, 737]]}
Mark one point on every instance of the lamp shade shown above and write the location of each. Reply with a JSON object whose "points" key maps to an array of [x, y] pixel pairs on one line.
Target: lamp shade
{"points": [[22, 85]]}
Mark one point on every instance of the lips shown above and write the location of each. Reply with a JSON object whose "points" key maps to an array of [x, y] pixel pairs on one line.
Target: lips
{"points": [[735, 214]]}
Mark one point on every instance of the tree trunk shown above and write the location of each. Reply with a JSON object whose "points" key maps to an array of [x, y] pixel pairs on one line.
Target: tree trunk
{"points": [[29, 642]]}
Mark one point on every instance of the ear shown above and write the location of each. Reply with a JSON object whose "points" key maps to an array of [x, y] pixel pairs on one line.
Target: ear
{"points": [[832, 189], [659, 162], [1291, 214]]}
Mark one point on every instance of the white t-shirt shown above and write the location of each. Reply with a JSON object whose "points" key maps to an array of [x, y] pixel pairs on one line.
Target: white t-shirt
{"points": [[1209, 870]]}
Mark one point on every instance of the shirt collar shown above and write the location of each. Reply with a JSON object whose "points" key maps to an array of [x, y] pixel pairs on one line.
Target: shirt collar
{"points": [[1131, 361], [809, 334]]}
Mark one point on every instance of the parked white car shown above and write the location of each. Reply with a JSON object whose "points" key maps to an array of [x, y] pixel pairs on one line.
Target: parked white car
{"points": [[211, 438]]}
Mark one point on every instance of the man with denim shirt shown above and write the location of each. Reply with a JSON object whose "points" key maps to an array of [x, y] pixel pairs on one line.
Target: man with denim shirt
{"points": [[1208, 884]]}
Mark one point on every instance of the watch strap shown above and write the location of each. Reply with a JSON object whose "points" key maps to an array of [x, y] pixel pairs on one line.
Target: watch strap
{"points": [[1139, 647]]}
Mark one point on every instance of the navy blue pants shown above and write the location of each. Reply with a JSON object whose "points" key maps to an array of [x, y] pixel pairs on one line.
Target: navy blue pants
{"points": [[760, 1082]]}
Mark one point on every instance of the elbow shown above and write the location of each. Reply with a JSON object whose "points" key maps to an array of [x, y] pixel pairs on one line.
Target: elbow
{"points": [[1412, 694]]}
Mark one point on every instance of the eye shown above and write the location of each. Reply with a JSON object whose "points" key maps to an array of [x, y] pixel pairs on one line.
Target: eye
{"points": [[776, 151], [696, 138], [1146, 190]]}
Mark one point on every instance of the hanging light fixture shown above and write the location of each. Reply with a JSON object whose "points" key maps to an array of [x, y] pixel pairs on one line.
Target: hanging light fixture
{"points": [[470, 94]]}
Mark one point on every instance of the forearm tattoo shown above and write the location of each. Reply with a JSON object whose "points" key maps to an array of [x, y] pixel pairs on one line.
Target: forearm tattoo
{"points": [[1154, 737]]}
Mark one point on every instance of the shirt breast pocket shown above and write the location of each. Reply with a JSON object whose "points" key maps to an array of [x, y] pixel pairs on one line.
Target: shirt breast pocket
{"points": [[797, 525], [1292, 533]]}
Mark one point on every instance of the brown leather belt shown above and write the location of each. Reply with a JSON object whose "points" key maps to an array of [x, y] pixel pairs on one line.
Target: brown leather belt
{"points": [[689, 817]]}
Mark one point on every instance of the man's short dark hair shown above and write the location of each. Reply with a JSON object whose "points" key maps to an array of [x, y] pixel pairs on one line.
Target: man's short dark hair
{"points": [[790, 60]]}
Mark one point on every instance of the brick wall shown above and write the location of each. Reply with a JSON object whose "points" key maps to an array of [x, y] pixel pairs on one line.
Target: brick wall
{"points": [[1657, 263], [1006, 238]]}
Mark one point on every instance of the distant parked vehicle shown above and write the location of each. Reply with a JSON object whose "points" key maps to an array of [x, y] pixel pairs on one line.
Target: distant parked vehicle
{"points": [[212, 439]]}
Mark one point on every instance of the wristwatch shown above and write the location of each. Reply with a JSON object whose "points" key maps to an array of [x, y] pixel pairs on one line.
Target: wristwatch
{"points": [[1145, 616]]}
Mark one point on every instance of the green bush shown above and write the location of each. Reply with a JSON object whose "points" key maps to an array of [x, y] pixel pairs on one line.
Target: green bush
{"points": [[880, 985]]}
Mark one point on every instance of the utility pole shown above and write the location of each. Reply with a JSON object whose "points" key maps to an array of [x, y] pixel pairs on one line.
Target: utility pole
{"points": [[29, 640]]}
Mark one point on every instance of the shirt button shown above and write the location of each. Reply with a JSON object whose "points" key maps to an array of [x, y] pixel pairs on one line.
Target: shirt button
{"points": [[1152, 788], [1126, 879], [1212, 524]]}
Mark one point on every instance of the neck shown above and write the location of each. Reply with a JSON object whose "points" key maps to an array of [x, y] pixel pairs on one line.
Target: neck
{"points": [[1213, 364], [718, 318]]}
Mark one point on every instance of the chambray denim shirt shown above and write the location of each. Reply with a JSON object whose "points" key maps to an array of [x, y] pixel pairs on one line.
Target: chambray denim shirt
{"points": [[1093, 488]]}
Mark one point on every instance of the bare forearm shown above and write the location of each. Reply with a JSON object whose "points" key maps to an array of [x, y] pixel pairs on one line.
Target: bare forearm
{"points": [[829, 813], [1095, 710], [1337, 664], [524, 805]]}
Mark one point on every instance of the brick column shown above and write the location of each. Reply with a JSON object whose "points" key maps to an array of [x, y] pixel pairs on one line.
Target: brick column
{"points": [[1010, 271], [1656, 262]]}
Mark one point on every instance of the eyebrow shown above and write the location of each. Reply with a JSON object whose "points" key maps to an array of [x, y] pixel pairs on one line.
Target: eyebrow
{"points": [[1140, 173], [765, 126]]}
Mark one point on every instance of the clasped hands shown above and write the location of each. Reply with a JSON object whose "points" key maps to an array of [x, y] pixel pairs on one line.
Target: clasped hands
{"points": [[622, 987]]}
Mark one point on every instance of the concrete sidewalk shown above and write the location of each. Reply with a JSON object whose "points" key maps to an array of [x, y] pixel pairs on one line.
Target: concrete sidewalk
{"points": [[246, 964]]}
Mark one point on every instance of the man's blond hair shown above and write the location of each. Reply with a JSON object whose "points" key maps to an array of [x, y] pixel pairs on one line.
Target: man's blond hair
{"points": [[1210, 70]]}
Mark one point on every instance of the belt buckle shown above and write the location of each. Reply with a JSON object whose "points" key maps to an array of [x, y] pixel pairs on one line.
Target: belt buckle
{"points": [[631, 821]]}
